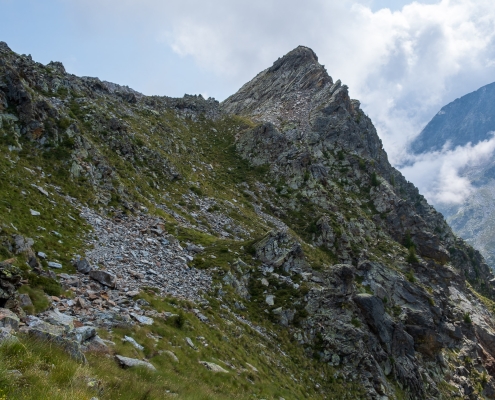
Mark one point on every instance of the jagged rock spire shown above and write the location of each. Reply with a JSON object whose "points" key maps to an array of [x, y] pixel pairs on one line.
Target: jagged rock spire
{"points": [[295, 76]]}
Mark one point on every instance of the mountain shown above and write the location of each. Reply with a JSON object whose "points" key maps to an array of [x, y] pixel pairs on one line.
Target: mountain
{"points": [[469, 119], [259, 247]]}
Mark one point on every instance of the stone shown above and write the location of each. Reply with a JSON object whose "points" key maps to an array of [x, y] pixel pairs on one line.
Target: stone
{"points": [[96, 344], [53, 264], [126, 362], [270, 299], [82, 266], [190, 343], [133, 342], [8, 319], [142, 319], [213, 367], [55, 334], [55, 317], [35, 213], [83, 333], [41, 255], [203, 318], [6, 336], [25, 300], [104, 277], [172, 355]]}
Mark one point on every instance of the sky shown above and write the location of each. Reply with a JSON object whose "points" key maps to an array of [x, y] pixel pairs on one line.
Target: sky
{"points": [[403, 60]]}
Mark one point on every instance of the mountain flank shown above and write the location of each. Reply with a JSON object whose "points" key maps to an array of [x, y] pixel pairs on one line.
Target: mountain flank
{"points": [[469, 119], [262, 247]]}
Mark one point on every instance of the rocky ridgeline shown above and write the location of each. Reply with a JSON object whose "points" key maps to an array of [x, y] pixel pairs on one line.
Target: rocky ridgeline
{"points": [[330, 241]]}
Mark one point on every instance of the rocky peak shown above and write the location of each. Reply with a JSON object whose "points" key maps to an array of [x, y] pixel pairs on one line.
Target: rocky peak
{"points": [[295, 59], [288, 89], [4, 47]]}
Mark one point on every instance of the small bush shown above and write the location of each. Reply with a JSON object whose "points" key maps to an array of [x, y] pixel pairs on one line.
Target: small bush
{"points": [[467, 318], [411, 256], [356, 322], [196, 190], [374, 179], [178, 320], [410, 276]]}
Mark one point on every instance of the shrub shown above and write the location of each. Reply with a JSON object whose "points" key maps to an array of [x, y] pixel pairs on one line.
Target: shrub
{"points": [[374, 179], [411, 256], [410, 276]]}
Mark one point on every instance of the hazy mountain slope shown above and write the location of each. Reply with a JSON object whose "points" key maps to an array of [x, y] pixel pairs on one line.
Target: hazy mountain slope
{"points": [[293, 255], [469, 119]]}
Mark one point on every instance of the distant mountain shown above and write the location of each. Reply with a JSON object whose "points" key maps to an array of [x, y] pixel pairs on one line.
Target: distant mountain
{"points": [[470, 118]]}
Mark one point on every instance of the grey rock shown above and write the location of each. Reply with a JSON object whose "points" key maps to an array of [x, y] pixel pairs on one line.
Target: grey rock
{"points": [[190, 343], [57, 318], [133, 342], [8, 319], [127, 362], [53, 264], [25, 300], [6, 336], [142, 319], [82, 266], [84, 333], [96, 344], [104, 277], [213, 367], [172, 355]]}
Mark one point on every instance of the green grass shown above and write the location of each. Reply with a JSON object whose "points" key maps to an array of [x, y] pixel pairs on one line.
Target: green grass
{"points": [[283, 370]]}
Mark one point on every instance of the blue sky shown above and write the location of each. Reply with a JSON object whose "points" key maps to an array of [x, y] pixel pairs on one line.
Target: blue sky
{"points": [[403, 60]]}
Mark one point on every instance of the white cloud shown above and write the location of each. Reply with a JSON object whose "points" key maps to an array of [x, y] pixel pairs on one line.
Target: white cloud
{"points": [[439, 174]]}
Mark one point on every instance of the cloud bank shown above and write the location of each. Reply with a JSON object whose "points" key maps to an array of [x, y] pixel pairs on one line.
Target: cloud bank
{"points": [[440, 173]]}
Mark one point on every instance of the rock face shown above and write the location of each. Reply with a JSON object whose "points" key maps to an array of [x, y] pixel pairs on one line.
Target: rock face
{"points": [[319, 143], [278, 204]]}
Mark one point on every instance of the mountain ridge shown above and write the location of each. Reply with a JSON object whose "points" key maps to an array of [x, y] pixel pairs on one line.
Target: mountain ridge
{"points": [[271, 221]]}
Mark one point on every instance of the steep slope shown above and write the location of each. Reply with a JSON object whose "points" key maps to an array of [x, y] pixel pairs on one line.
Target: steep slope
{"points": [[271, 225], [469, 119]]}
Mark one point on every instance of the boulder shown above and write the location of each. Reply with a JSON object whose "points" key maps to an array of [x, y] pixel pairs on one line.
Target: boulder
{"points": [[6, 336], [142, 319], [96, 344], [8, 319], [213, 367], [84, 333], [55, 334], [57, 318], [104, 277], [82, 266], [126, 362]]}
